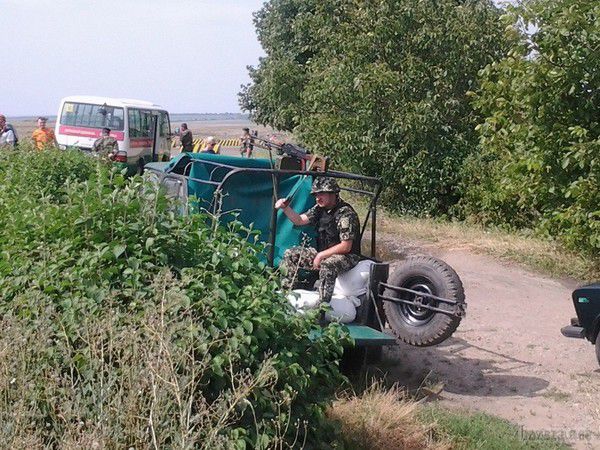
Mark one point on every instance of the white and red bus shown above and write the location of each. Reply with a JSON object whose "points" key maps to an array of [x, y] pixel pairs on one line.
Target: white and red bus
{"points": [[142, 129]]}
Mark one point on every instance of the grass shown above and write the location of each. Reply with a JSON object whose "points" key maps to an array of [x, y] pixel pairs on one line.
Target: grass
{"points": [[382, 418], [482, 431]]}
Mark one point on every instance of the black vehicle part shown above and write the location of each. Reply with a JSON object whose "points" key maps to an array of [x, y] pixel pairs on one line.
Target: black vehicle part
{"points": [[424, 301], [586, 301], [598, 348], [140, 167]]}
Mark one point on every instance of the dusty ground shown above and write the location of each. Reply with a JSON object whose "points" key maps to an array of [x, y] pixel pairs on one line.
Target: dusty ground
{"points": [[508, 357]]}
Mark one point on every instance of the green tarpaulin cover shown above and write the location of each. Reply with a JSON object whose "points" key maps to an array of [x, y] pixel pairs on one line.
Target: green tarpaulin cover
{"points": [[248, 194]]}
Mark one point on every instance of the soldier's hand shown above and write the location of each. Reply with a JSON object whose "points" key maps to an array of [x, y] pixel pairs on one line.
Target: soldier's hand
{"points": [[282, 203], [317, 261]]}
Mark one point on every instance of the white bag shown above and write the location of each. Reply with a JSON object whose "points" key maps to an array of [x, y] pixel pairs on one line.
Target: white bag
{"points": [[354, 282], [303, 300], [343, 308]]}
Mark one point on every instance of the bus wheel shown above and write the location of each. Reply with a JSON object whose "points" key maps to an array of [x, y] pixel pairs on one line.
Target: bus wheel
{"points": [[140, 168]]}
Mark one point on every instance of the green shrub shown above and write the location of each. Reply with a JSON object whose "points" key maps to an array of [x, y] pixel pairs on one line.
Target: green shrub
{"points": [[127, 325], [539, 166]]}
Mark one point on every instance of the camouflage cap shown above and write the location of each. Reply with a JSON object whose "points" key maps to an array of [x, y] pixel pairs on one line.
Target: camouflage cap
{"points": [[324, 184]]}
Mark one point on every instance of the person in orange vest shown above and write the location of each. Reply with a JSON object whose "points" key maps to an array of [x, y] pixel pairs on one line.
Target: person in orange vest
{"points": [[42, 136]]}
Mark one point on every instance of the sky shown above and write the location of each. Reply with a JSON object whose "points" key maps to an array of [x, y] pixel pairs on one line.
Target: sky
{"points": [[189, 56]]}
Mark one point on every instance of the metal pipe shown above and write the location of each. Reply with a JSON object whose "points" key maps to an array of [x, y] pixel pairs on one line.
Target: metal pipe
{"points": [[373, 231], [421, 294], [458, 313], [357, 191], [374, 220], [273, 227], [331, 173]]}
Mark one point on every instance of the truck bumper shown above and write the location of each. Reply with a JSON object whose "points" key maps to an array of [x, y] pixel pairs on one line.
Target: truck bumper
{"points": [[573, 331]]}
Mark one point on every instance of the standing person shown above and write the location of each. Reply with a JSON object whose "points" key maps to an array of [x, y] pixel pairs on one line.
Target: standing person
{"points": [[186, 138], [42, 136], [338, 238], [247, 143], [211, 146], [7, 135], [106, 145]]}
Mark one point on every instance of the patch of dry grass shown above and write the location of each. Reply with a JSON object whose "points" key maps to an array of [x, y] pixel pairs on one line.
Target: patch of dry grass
{"points": [[532, 252], [544, 256], [382, 418]]}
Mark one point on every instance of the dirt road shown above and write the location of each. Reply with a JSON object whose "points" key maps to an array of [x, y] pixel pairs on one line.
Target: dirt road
{"points": [[508, 357]]}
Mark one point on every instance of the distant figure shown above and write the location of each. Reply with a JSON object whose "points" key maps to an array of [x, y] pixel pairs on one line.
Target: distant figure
{"points": [[247, 143], [42, 136], [211, 146], [106, 145], [7, 134], [186, 138]]}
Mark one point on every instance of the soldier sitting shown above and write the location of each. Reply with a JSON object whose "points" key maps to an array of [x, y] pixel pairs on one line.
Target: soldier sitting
{"points": [[106, 145], [338, 238]]}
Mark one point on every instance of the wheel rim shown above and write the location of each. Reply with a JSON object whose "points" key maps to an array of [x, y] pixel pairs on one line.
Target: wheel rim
{"points": [[417, 315]]}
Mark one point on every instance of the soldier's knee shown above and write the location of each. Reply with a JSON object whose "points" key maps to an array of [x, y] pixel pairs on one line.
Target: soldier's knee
{"points": [[333, 261]]}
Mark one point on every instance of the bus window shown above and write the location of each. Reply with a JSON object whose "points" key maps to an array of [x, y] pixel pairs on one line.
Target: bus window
{"points": [[92, 116], [140, 123], [165, 126]]}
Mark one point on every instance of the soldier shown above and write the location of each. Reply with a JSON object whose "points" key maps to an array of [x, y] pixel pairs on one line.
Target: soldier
{"points": [[186, 138], [338, 238], [106, 145]]}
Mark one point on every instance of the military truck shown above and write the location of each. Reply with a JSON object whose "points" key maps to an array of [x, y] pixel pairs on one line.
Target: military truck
{"points": [[421, 302]]}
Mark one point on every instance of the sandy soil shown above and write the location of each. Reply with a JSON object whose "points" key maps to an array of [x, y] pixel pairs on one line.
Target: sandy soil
{"points": [[508, 357]]}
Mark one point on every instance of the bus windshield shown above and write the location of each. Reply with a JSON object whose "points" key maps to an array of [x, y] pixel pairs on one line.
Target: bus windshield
{"points": [[92, 116]]}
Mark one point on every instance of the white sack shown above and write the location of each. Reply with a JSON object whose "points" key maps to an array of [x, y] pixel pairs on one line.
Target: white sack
{"points": [[343, 308], [354, 282]]}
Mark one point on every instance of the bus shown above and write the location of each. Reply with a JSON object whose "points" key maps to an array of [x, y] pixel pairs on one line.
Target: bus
{"points": [[142, 129]]}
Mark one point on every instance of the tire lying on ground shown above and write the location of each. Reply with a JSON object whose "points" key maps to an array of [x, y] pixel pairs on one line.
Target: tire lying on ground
{"points": [[416, 325]]}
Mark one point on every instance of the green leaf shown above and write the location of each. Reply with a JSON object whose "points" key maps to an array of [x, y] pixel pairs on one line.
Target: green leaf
{"points": [[118, 250]]}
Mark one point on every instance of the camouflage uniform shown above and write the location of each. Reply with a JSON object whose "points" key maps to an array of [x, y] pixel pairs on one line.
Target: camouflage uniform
{"points": [[187, 141], [340, 223], [105, 145]]}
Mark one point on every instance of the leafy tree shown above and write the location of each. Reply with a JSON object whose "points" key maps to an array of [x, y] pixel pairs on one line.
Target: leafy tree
{"points": [[379, 85], [274, 96], [540, 141]]}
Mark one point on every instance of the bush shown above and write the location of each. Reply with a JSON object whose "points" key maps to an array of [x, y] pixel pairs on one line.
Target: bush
{"points": [[126, 325], [539, 165]]}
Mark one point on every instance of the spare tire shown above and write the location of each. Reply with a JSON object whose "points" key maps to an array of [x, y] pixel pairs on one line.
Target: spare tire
{"points": [[416, 325]]}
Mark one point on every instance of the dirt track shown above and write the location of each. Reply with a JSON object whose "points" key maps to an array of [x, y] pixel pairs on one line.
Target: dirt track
{"points": [[508, 357]]}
